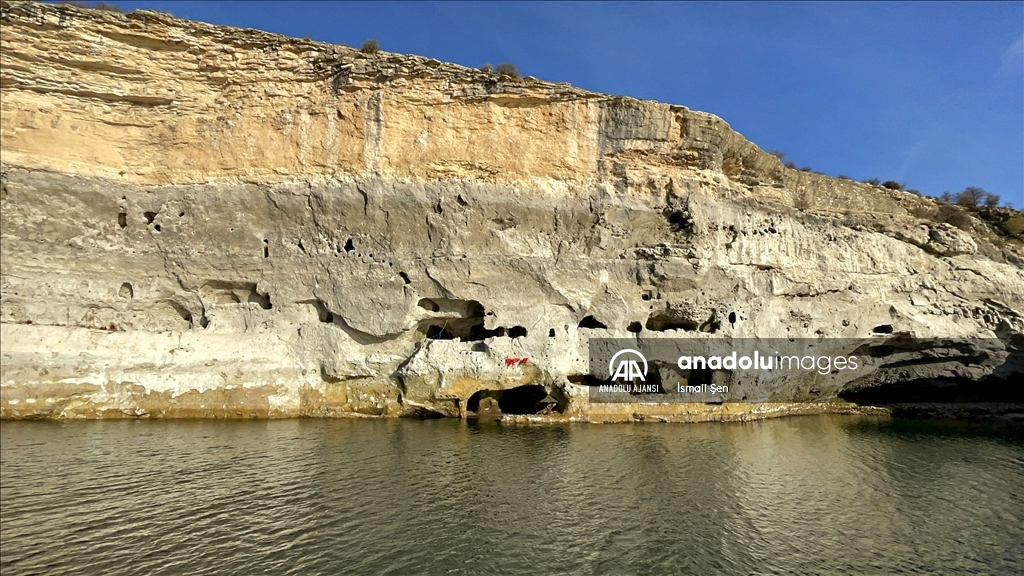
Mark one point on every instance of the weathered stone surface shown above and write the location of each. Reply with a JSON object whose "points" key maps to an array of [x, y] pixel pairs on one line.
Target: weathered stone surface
{"points": [[213, 222]]}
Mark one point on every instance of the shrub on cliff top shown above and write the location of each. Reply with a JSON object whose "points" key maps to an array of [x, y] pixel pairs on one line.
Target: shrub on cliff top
{"points": [[873, 181], [487, 68], [991, 200], [893, 185], [107, 7], [369, 47], [507, 69], [970, 196]]}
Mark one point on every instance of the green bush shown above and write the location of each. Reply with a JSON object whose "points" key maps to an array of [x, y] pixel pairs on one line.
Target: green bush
{"points": [[371, 46], [1014, 226], [893, 185], [992, 200]]}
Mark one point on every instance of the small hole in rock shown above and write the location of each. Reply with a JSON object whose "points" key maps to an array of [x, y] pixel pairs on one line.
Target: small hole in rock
{"points": [[181, 215], [883, 329], [405, 277], [349, 246], [126, 291], [591, 322], [517, 332], [266, 248], [551, 333], [732, 317], [157, 227], [634, 327], [122, 220], [149, 217]]}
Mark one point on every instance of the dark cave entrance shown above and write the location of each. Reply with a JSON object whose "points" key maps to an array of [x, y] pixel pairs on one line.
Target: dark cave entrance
{"points": [[529, 399]]}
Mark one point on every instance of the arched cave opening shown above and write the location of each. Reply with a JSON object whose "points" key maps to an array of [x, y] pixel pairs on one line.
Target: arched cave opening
{"points": [[591, 322], [883, 329], [634, 327], [517, 332], [122, 220], [463, 319], [529, 399], [126, 291]]}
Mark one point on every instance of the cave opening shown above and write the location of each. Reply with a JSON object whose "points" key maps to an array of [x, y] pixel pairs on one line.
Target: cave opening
{"points": [[662, 322], [591, 322], [462, 319], [679, 221], [517, 332], [634, 327], [883, 329], [122, 220], [126, 291], [150, 216], [262, 299], [528, 399]]}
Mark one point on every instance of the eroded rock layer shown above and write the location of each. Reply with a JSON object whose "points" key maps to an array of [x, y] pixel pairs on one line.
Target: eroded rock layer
{"points": [[213, 222]]}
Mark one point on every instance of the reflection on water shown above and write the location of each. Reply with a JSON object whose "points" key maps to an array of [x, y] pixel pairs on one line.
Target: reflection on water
{"points": [[810, 495]]}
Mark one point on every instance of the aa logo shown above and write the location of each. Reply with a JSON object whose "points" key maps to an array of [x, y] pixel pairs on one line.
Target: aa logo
{"points": [[628, 368]]}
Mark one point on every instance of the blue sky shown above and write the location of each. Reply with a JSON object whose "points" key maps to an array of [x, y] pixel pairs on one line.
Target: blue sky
{"points": [[931, 94]]}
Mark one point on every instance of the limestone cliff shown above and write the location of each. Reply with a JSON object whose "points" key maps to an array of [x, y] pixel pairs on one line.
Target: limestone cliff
{"points": [[206, 221]]}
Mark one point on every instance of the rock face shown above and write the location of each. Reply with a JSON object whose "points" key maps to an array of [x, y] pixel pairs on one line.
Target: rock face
{"points": [[213, 222]]}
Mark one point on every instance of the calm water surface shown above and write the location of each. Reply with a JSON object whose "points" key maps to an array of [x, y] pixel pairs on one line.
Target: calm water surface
{"points": [[809, 495]]}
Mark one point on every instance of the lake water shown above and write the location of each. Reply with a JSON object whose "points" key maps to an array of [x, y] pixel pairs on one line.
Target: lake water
{"points": [[805, 495]]}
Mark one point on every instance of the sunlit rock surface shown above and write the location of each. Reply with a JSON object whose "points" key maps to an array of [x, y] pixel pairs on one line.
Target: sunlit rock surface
{"points": [[203, 221]]}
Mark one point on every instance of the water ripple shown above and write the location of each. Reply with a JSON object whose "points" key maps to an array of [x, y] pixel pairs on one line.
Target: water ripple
{"points": [[814, 495]]}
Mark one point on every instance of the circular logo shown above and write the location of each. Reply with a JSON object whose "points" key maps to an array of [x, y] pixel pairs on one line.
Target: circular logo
{"points": [[627, 368]]}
